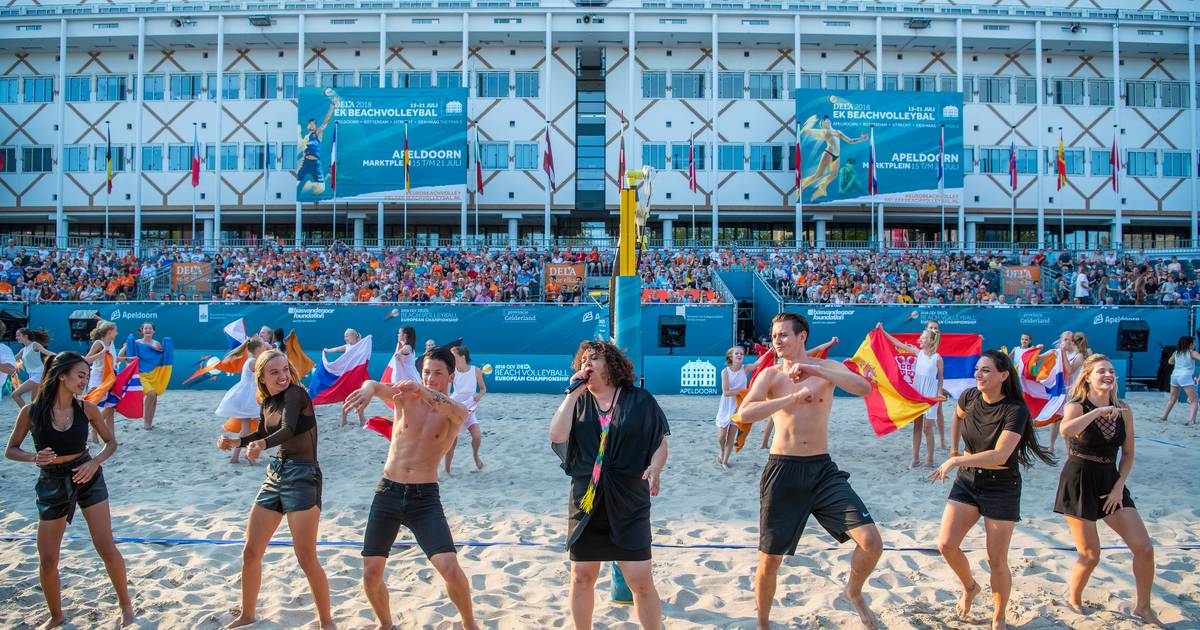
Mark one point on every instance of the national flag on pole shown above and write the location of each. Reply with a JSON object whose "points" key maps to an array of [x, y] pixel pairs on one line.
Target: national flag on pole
{"points": [[621, 154], [548, 159], [892, 402], [1114, 162], [941, 156], [693, 185], [1012, 164], [333, 160], [478, 166], [799, 165], [1043, 385], [195, 158], [108, 168], [959, 351], [333, 381], [407, 174], [1060, 164], [872, 179]]}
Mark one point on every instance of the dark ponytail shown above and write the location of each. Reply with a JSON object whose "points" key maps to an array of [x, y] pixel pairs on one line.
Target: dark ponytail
{"points": [[1028, 447], [39, 335]]}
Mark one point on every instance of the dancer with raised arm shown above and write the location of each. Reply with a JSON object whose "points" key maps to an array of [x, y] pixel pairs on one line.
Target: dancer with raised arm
{"points": [[33, 348], [69, 476], [1096, 424], [468, 390], [351, 337], [292, 487], [426, 422], [102, 336], [611, 437], [998, 433], [734, 386], [927, 380], [240, 404], [800, 479]]}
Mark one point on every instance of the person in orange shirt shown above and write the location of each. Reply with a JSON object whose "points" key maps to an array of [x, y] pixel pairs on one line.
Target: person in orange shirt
{"points": [[365, 295]]}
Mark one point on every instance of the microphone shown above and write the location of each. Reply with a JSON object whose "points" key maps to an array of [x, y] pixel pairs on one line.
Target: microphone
{"points": [[574, 386]]}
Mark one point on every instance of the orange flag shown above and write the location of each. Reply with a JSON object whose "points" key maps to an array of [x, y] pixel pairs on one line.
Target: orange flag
{"points": [[296, 355]]}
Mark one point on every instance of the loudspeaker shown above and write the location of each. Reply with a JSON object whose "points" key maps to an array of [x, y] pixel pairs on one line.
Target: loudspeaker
{"points": [[1133, 336], [82, 322], [672, 331], [12, 320]]}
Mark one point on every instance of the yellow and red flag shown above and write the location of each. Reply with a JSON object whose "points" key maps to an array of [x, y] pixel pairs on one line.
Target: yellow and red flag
{"points": [[892, 402]]}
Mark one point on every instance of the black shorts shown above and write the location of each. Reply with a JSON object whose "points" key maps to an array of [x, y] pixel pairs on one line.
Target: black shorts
{"points": [[1081, 485], [792, 488], [595, 543], [292, 485], [996, 493], [417, 506], [57, 494]]}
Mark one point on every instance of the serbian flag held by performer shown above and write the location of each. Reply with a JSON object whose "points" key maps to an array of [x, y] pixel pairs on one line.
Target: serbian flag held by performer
{"points": [[1043, 385], [154, 365], [296, 356], [333, 381], [960, 352], [892, 402]]}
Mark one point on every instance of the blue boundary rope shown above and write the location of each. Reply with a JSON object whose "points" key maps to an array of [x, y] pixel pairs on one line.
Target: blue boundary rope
{"points": [[518, 543]]}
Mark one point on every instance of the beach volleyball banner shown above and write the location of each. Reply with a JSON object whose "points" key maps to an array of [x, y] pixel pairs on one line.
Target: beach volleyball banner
{"points": [[352, 141], [835, 146]]}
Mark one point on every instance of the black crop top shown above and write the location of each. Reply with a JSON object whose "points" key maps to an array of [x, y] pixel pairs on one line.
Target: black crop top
{"points": [[287, 420], [983, 423], [1100, 439], [70, 442]]}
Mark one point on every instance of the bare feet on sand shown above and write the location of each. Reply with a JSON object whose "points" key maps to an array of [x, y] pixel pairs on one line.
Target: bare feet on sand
{"points": [[54, 622], [1070, 602], [127, 615], [964, 603], [478, 463], [860, 606], [1147, 615], [242, 620]]}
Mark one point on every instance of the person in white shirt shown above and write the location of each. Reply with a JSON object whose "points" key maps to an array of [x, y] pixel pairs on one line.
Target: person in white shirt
{"points": [[1082, 287]]}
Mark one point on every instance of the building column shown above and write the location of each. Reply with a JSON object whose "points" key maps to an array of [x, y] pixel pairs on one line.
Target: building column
{"points": [[1195, 90], [549, 104], [1118, 240], [359, 219], [383, 84], [958, 76], [221, 118], [668, 226], [1041, 153], [60, 162], [137, 173], [207, 225], [822, 224], [299, 84], [799, 219], [971, 227], [512, 233], [712, 149]]}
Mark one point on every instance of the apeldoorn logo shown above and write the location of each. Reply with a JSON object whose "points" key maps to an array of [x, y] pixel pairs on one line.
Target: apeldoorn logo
{"points": [[698, 377], [119, 314], [1111, 319]]}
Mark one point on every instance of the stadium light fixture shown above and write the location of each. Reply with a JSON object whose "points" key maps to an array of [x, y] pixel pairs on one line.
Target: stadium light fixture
{"points": [[918, 23], [260, 20]]}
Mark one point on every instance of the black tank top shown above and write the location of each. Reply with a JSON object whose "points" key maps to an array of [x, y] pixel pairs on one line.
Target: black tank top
{"points": [[69, 442], [1099, 441]]}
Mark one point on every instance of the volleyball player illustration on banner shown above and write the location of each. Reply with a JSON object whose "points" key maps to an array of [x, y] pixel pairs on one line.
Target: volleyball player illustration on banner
{"points": [[828, 166], [310, 148]]}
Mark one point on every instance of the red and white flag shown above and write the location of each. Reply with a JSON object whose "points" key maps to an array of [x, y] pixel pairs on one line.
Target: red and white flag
{"points": [[621, 154], [872, 179], [333, 160], [478, 166], [799, 165], [195, 158], [1114, 160], [548, 159], [693, 185]]}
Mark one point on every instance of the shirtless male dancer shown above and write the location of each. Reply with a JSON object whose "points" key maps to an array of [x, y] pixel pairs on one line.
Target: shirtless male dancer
{"points": [[800, 478], [426, 422]]}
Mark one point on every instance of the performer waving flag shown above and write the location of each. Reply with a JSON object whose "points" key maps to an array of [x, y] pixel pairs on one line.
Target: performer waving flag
{"points": [[154, 363], [892, 402]]}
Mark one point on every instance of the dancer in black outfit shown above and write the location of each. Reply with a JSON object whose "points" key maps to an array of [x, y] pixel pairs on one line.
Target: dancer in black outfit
{"points": [[995, 425], [69, 476], [1096, 424], [292, 487]]}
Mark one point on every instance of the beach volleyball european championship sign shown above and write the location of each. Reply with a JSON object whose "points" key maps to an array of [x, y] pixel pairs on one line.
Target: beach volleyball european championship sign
{"points": [[355, 138], [835, 146]]}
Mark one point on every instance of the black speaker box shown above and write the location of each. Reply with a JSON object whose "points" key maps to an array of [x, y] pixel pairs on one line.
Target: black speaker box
{"points": [[1133, 336], [672, 331]]}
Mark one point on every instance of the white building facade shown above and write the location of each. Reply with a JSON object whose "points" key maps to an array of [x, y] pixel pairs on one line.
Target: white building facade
{"points": [[153, 76]]}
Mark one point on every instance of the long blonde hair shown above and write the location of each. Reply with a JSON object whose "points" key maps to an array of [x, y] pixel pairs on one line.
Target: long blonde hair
{"points": [[260, 366], [101, 329], [1081, 344], [935, 335], [1080, 388]]}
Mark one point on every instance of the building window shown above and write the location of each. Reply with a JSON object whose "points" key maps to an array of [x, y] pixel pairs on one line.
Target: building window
{"points": [[262, 85], [1141, 163], [527, 83], [1026, 162], [526, 156], [185, 87], [370, 80], [100, 162], [731, 157], [994, 90], [687, 84], [494, 155], [152, 157], [968, 159], [1175, 164], [179, 157], [1064, 91], [449, 79], [679, 156], [654, 155], [36, 160], [1139, 93], [229, 157], [39, 89], [413, 79], [919, 83], [993, 161], [335, 79], [492, 84], [231, 81], [1174, 94], [891, 82], [310, 79], [8, 160], [1101, 167], [210, 157], [1026, 90], [1100, 92], [152, 87], [8, 89], [289, 85], [654, 84], [290, 155], [111, 87], [75, 159], [79, 89], [766, 157], [808, 81], [843, 81], [1073, 158], [253, 156], [766, 85], [731, 85]]}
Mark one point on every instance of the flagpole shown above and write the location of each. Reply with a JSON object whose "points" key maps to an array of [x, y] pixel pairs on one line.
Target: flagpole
{"points": [[479, 170], [1012, 188], [549, 184], [1120, 202], [333, 233], [266, 177], [107, 181], [691, 151], [193, 187], [799, 188], [407, 183]]}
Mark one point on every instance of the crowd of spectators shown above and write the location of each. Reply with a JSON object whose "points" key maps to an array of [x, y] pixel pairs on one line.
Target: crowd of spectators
{"points": [[442, 275]]}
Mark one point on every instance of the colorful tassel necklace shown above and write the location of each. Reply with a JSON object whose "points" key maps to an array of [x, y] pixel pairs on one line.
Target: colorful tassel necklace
{"points": [[606, 416]]}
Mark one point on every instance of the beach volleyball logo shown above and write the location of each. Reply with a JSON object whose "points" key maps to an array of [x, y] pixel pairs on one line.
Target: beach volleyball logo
{"points": [[486, 370]]}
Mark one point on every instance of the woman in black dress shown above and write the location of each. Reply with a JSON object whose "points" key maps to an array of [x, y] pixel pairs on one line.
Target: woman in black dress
{"points": [[612, 439], [994, 423], [1096, 424], [69, 476], [293, 485]]}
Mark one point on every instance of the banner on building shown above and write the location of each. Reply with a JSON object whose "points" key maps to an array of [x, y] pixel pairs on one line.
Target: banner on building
{"points": [[1021, 281], [374, 128], [568, 276], [835, 129]]}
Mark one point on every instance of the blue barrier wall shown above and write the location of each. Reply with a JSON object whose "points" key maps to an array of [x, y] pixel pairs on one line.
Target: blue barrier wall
{"points": [[740, 283], [709, 328], [767, 305]]}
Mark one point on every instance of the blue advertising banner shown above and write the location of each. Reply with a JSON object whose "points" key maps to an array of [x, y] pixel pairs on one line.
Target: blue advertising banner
{"points": [[835, 146], [709, 328], [374, 128]]}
